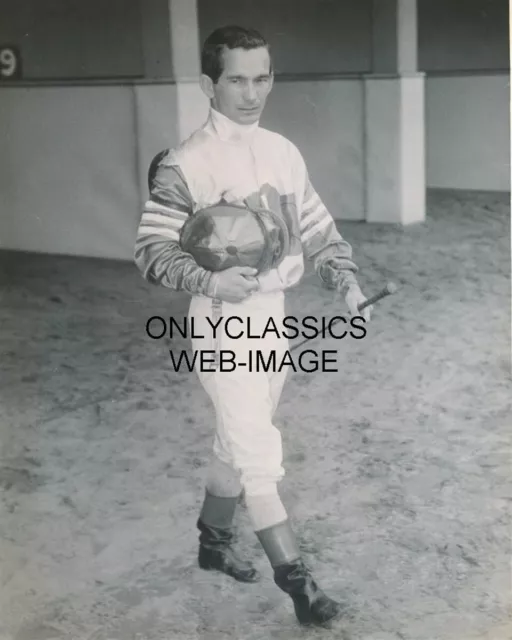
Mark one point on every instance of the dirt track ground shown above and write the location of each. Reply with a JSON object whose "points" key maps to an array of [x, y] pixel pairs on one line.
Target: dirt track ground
{"points": [[398, 466]]}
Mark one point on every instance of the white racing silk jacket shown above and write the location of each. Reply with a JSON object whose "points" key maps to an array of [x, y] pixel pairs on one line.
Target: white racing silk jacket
{"points": [[237, 163]]}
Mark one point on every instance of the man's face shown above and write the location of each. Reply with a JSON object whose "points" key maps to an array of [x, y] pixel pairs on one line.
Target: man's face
{"points": [[242, 89]]}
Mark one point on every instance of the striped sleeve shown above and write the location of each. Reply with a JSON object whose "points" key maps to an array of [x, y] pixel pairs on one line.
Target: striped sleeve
{"points": [[157, 253], [322, 242]]}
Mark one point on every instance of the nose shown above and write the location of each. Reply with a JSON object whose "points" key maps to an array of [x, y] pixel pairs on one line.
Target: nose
{"points": [[250, 92]]}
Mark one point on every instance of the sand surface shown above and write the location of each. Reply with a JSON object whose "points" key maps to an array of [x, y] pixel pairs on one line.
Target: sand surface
{"points": [[398, 465]]}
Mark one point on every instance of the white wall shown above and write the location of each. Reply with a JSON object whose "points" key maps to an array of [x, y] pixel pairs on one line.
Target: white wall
{"points": [[73, 168], [468, 132], [157, 127], [74, 164], [324, 119], [68, 172]]}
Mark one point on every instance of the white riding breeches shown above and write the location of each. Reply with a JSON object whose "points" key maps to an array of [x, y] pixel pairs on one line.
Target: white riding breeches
{"points": [[245, 397]]}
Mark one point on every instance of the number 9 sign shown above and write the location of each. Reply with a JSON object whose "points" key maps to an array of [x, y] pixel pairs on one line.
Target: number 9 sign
{"points": [[10, 63]]}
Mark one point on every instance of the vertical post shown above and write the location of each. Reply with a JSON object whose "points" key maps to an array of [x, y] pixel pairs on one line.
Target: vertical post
{"points": [[394, 118], [184, 32], [407, 32], [167, 111], [186, 57]]}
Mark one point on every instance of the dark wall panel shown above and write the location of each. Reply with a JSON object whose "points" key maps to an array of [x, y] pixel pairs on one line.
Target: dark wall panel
{"points": [[130, 38], [463, 35], [321, 36], [74, 38]]}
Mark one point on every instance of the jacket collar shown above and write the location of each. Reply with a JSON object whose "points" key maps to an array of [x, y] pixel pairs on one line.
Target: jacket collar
{"points": [[230, 131]]}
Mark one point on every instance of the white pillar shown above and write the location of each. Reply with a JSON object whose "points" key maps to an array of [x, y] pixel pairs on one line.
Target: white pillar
{"points": [[394, 118], [169, 110], [186, 61]]}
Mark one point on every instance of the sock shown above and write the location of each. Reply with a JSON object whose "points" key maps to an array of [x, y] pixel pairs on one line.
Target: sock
{"points": [[265, 510], [223, 481]]}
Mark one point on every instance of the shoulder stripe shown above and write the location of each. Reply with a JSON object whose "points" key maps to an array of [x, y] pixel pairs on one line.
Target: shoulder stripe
{"points": [[316, 228], [311, 202], [315, 215], [159, 221], [146, 230], [156, 207]]}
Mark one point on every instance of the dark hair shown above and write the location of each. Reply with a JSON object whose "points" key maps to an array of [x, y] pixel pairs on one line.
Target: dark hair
{"points": [[231, 37]]}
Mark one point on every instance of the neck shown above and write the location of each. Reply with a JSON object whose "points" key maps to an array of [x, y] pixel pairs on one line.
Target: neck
{"points": [[228, 129]]}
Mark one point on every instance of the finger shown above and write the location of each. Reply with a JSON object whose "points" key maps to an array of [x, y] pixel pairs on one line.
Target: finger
{"points": [[250, 284], [362, 304], [247, 271], [352, 307]]}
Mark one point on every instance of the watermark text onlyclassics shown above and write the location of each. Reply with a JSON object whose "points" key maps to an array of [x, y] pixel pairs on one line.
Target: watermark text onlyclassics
{"points": [[249, 348]]}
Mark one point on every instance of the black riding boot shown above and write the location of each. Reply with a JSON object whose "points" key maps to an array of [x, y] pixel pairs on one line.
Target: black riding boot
{"points": [[312, 606], [215, 541]]}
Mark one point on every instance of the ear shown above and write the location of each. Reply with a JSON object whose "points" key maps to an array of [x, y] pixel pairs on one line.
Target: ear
{"points": [[271, 84], [206, 84]]}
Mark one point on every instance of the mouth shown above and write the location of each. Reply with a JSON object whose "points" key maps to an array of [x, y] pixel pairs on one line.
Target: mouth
{"points": [[249, 109]]}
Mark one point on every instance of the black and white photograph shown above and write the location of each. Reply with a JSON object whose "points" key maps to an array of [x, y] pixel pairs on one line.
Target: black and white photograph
{"points": [[255, 320]]}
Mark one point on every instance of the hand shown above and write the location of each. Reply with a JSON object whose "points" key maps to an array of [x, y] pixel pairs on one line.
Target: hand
{"points": [[354, 297], [235, 284]]}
